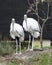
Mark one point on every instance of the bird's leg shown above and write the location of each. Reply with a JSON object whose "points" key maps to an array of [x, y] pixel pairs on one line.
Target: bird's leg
{"points": [[29, 42], [19, 47], [32, 43], [16, 46]]}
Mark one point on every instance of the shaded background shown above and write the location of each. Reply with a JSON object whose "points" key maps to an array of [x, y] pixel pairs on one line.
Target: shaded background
{"points": [[16, 9]]}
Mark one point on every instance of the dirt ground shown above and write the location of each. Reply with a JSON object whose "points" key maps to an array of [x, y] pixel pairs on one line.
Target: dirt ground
{"points": [[25, 56]]}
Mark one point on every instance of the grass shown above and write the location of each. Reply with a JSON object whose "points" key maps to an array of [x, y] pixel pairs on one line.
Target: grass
{"points": [[36, 44], [8, 48], [13, 62], [46, 44], [43, 59]]}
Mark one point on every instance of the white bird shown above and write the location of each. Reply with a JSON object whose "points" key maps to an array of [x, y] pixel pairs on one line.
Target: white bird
{"points": [[16, 30], [42, 1], [31, 25]]}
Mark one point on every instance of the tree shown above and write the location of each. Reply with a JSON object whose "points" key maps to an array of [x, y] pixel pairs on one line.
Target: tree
{"points": [[35, 11]]}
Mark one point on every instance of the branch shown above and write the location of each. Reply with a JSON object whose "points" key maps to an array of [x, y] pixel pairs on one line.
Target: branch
{"points": [[42, 11], [28, 2], [48, 10], [37, 15]]}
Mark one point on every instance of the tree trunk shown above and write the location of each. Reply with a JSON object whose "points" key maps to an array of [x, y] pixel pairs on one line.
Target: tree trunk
{"points": [[41, 41]]}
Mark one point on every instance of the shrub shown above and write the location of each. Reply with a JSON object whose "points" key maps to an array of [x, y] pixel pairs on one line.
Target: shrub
{"points": [[7, 48]]}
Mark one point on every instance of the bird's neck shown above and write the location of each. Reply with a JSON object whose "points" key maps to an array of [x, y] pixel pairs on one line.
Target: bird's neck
{"points": [[26, 23], [12, 26]]}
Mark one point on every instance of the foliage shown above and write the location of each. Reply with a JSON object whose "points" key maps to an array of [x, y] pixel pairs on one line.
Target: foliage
{"points": [[38, 59], [6, 48], [43, 59], [13, 62], [9, 47], [0, 37]]}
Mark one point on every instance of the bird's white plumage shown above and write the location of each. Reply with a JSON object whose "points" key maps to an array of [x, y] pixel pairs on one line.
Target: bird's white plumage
{"points": [[31, 25], [42, 0], [18, 31]]}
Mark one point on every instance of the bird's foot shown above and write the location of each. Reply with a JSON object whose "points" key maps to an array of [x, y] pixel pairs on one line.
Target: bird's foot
{"points": [[17, 53], [31, 49], [28, 50], [20, 53]]}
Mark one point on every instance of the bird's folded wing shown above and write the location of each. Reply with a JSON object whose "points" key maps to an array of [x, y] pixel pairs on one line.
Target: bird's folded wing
{"points": [[17, 33]]}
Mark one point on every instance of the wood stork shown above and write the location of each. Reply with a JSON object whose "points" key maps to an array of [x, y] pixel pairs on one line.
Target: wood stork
{"points": [[16, 30], [31, 25], [42, 0]]}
